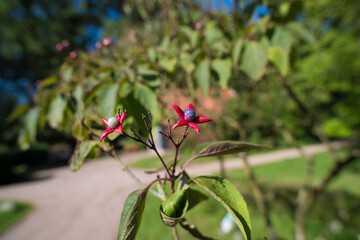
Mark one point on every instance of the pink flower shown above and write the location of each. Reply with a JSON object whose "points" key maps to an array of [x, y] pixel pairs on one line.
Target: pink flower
{"points": [[65, 43], [73, 54], [198, 26], [113, 124], [59, 47], [189, 118], [106, 41]]}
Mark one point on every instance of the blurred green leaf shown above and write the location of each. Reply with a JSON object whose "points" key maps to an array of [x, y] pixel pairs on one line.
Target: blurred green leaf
{"points": [[213, 34], [168, 64], [202, 75], [254, 60], [68, 73], [30, 120], [236, 51], [283, 39], [56, 110], [108, 96], [299, 29], [80, 132], [279, 58], [223, 68], [49, 81], [78, 94], [80, 154], [17, 112], [92, 92]]}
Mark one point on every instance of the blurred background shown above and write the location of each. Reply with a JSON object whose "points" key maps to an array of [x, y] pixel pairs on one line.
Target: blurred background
{"points": [[280, 73]]}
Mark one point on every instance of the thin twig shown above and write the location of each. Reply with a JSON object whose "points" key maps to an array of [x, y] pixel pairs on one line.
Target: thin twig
{"points": [[191, 228], [175, 234]]}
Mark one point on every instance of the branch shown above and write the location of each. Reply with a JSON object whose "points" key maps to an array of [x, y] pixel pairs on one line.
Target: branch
{"points": [[191, 228], [355, 154]]}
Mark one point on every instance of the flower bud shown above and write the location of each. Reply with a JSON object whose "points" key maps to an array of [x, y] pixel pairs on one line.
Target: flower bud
{"points": [[173, 209]]}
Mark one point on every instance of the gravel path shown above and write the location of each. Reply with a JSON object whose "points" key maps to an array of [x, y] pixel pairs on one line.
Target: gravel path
{"points": [[87, 204]]}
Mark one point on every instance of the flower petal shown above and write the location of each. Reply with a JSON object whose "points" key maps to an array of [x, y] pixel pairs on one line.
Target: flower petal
{"points": [[190, 106], [119, 129], [201, 119], [178, 110], [180, 123], [105, 133], [194, 126], [122, 118], [105, 122]]}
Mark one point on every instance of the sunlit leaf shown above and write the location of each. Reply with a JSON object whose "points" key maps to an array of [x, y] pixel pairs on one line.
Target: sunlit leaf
{"points": [[226, 193], [202, 75], [80, 154], [283, 39], [56, 110], [279, 58], [223, 68], [236, 51], [107, 99], [254, 60], [132, 214]]}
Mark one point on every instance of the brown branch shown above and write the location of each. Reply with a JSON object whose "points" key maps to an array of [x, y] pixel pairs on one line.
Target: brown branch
{"points": [[355, 154], [313, 121]]}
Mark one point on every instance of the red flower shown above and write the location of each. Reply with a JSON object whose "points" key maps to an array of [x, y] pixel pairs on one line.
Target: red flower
{"points": [[189, 118], [113, 124]]}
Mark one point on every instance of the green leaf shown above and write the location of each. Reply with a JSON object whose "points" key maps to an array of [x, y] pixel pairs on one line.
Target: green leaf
{"points": [[49, 81], [202, 75], [78, 94], [79, 131], [174, 205], [147, 98], [17, 112], [223, 148], [223, 68], [92, 92], [254, 60], [132, 214], [168, 64], [299, 29], [195, 197], [279, 58], [68, 73], [28, 133], [283, 39], [213, 34], [236, 51], [80, 154], [226, 193], [55, 114], [108, 99]]}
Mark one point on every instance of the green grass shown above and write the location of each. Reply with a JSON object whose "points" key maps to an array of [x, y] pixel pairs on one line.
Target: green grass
{"points": [[11, 212], [280, 182]]}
